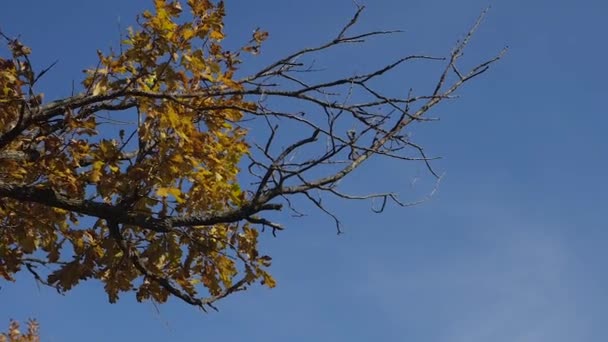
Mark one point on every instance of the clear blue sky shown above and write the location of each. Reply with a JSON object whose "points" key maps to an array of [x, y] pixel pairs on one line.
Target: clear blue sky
{"points": [[512, 248]]}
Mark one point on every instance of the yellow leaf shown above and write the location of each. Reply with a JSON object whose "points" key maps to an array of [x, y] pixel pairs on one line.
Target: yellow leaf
{"points": [[98, 89], [175, 192], [188, 33], [268, 280], [217, 35], [260, 36], [162, 192], [96, 173]]}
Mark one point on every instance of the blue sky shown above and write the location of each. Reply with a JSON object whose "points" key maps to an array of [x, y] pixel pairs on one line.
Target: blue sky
{"points": [[512, 248]]}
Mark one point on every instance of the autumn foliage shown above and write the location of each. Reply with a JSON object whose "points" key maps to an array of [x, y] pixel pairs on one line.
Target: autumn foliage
{"points": [[186, 162], [133, 180], [14, 334]]}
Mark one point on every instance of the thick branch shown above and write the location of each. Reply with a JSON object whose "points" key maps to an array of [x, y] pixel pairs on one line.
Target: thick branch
{"points": [[121, 215]]}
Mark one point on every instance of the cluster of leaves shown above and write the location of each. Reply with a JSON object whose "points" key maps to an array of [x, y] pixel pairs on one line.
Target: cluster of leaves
{"points": [[15, 335], [179, 158]]}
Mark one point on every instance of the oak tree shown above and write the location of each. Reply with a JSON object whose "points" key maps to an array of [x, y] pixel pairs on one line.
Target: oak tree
{"points": [[147, 178]]}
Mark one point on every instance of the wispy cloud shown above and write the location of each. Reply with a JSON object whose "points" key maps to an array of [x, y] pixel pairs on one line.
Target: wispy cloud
{"points": [[512, 284]]}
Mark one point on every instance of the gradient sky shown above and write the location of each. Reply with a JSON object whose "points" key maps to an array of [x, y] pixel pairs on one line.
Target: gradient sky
{"points": [[511, 248]]}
